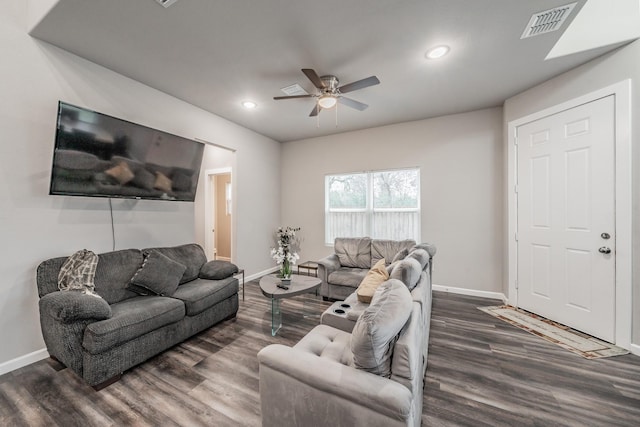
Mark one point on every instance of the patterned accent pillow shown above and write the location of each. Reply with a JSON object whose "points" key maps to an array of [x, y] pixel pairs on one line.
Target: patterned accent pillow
{"points": [[78, 271], [158, 275]]}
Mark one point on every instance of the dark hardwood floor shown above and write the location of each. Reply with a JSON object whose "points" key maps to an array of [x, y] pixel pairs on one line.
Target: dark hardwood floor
{"points": [[481, 371]]}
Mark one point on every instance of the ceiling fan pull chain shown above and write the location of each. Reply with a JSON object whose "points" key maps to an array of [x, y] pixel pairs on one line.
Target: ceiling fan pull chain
{"points": [[318, 120], [336, 114]]}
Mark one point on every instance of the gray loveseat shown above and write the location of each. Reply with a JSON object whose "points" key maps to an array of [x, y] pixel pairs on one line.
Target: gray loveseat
{"points": [[323, 380], [100, 338], [342, 271]]}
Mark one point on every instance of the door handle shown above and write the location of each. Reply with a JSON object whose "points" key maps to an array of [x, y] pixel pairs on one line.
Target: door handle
{"points": [[604, 250]]}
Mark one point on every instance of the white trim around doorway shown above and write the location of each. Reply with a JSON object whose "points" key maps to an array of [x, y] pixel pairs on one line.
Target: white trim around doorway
{"points": [[623, 204], [209, 245]]}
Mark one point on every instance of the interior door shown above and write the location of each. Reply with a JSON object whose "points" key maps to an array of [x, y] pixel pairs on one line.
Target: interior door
{"points": [[566, 217]]}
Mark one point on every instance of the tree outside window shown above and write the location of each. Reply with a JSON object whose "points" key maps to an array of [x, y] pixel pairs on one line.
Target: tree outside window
{"points": [[379, 204]]}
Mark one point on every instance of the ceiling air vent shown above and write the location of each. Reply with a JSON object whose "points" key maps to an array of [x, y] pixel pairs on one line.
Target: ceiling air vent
{"points": [[166, 3], [294, 89], [547, 21]]}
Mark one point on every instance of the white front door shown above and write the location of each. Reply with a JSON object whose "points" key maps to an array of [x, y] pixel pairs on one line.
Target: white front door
{"points": [[566, 217]]}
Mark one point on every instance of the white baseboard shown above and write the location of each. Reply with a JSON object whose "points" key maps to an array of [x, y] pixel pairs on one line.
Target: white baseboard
{"points": [[22, 361], [635, 349], [260, 274], [471, 292]]}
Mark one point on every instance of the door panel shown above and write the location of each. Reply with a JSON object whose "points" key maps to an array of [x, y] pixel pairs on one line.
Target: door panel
{"points": [[565, 201]]}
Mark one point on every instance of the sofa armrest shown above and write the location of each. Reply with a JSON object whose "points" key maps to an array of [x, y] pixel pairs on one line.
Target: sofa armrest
{"points": [[71, 306], [328, 265], [297, 386]]}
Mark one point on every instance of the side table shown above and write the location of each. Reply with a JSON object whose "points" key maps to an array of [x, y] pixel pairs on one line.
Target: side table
{"points": [[309, 266]]}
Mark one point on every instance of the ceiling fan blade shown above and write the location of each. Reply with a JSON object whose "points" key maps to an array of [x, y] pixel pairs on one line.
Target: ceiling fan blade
{"points": [[313, 76], [315, 111], [292, 97], [360, 84], [352, 103]]}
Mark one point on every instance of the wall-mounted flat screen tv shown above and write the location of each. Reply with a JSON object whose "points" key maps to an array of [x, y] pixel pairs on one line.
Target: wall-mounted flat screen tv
{"points": [[103, 156]]}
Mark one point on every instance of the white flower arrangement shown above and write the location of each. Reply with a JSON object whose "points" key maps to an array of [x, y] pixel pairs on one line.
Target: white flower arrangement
{"points": [[285, 255]]}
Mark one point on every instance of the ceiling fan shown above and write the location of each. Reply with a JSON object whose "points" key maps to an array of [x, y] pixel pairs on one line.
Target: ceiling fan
{"points": [[329, 93]]}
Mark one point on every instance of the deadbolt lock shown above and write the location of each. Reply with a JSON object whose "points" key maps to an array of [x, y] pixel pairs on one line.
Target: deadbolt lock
{"points": [[605, 236]]}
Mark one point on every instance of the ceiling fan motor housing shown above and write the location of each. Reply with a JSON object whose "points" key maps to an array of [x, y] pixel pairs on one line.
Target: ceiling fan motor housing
{"points": [[330, 83]]}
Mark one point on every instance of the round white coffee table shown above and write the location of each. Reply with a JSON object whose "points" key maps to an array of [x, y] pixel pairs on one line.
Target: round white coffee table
{"points": [[299, 285]]}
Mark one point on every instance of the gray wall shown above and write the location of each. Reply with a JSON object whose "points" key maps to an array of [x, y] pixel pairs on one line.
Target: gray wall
{"points": [[622, 64], [461, 162], [35, 226]]}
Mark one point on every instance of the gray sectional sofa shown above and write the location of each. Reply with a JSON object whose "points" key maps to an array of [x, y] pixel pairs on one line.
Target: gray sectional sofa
{"points": [[100, 338], [363, 366], [342, 271]]}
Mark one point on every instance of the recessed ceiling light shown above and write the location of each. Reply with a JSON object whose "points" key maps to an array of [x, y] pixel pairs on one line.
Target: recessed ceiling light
{"points": [[249, 105], [437, 52]]}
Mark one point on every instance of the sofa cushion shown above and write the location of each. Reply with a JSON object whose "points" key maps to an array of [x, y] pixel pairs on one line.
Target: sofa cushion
{"points": [[191, 256], [130, 319], [377, 328], [327, 342], [200, 294], [421, 255], [400, 255], [217, 270], [371, 281], [347, 276], [353, 252], [388, 249], [406, 364], [158, 275], [408, 272], [113, 273]]}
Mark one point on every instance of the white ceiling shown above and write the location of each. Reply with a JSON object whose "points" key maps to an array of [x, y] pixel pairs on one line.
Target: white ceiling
{"points": [[216, 53]]}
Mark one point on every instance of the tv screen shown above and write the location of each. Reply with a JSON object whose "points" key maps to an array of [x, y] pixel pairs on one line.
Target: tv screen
{"points": [[103, 156]]}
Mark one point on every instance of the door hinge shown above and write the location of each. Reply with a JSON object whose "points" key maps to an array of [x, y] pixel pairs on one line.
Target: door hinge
{"points": [[516, 284], [515, 188], [516, 237]]}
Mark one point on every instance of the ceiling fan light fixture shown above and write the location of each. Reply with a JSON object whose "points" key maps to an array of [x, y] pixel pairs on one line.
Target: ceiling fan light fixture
{"points": [[437, 52], [327, 101]]}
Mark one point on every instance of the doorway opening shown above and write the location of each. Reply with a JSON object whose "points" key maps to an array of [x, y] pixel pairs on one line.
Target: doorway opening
{"points": [[219, 214]]}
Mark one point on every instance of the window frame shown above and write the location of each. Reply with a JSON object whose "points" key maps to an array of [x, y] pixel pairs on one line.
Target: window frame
{"points": [[370, 210]]}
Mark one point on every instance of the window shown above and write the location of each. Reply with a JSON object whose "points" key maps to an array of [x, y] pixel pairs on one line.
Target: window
{"points": [[380, 204]]}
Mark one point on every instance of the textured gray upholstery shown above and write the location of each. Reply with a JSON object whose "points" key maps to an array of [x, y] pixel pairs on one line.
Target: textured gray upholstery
{"points": [[132, 318], [315, 384], [346, 276], [200, 294], [350, 262], [158, 275], [388, 249], [373, 336], [112, 335], [191, 256], [421, 255], [217, 270], [71, 306], [353, 252], [113, 273], [407, 271]]}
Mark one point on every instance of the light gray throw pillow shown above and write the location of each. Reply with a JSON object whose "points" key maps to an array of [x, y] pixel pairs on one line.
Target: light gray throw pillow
{"points": [[408, 272], [377, 329]]}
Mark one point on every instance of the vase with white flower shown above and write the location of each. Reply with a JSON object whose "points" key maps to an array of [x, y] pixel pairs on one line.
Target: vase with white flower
{"points": [[285, 254]]}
